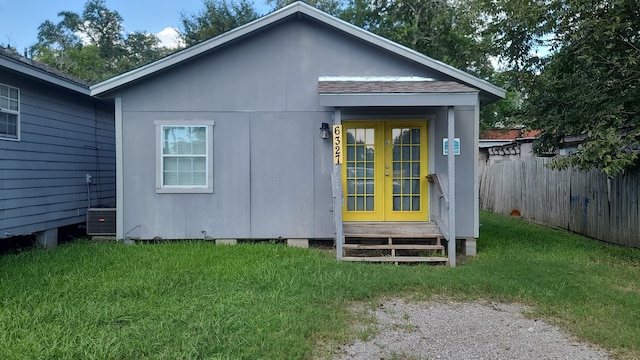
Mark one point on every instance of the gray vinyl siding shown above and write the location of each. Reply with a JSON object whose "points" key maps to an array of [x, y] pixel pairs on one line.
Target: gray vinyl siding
{"points": [[272, 173], [63, 136]]}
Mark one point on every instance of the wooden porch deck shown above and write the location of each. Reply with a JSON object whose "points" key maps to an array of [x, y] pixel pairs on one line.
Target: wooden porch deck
{"points": [[398, 242]]}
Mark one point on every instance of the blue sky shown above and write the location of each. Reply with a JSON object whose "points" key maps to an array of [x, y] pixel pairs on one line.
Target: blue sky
{"points": [[21, 18]]}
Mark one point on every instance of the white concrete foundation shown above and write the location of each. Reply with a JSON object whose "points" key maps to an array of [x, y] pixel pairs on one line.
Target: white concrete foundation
{"points": [[300, 243], [226, 241], [470, 247], [48, 239]]}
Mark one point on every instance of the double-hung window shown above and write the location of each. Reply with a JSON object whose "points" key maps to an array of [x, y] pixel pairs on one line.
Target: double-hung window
{"points": [[9, 112], [184, 157]]}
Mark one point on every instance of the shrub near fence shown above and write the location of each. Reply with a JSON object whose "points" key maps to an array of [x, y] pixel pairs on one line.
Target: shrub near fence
{"points": [[583, 202]]}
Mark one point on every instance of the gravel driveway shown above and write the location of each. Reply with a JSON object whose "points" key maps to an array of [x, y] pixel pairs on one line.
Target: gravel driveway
{"points": [[449, 330]]}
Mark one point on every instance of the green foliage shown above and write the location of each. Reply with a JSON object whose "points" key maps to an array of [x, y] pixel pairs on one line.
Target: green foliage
{"points": [[218, 16], [332, 7], [587, 86], [445, 30], [198, 300], [92, 46]]}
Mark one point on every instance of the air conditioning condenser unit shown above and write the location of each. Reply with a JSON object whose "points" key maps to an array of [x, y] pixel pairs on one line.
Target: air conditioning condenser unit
{"points": [[101, 221]]}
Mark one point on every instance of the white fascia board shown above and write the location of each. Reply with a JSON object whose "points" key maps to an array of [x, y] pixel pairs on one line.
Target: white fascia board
{"points": [[42, 75]]}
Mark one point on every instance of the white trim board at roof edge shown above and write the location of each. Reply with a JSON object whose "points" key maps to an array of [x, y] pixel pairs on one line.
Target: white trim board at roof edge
{"points": [[296, 9]]}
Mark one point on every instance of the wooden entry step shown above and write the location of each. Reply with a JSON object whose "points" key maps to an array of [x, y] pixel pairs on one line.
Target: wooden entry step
{"points": [[393, 242], [396, 247], [398, 259], [391, 229]]}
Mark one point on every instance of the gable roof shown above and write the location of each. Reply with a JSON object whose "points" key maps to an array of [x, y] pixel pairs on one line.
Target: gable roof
{"points": [[488, 91], [29, 67]]}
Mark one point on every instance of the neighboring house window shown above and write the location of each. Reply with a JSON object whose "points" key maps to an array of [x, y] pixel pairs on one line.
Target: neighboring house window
{"points": [[9, 112], [184, 158]]}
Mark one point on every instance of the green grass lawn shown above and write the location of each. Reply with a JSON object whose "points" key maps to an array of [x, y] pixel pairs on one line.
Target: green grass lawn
{"points": [[197, 300]]}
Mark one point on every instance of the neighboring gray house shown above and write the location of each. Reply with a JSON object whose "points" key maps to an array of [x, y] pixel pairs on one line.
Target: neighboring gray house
{"points": [[57, 149], [221, 140]]}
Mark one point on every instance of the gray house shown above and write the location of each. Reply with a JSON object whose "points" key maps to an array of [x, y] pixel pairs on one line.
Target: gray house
{"points": [[299, 126], [57, 149]]}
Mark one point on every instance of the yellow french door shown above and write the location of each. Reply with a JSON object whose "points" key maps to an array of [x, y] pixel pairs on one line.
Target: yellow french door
{"points": [[384, 171]]}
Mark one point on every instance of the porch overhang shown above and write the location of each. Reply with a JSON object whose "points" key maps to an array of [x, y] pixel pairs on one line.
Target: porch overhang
{"points": [[393, 91]]}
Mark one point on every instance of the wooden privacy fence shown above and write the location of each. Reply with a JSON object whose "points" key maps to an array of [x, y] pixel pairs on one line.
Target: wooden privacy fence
{"points": [[583, 202]]}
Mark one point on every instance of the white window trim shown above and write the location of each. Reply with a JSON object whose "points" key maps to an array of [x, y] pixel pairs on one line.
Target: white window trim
{"points": [[13, 112], [178, 189]]}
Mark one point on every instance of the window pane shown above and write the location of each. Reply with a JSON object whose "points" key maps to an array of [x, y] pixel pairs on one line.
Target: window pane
{"points": [[199, 147], [186, 140], [13, 93], [182, 169], [13, 105], [9, 124], [183, 147], [199, 164], [185, 178], [4, 103], [199, 178], [360, 203], [170, 178], [170, 164], [185, 165], [4, 91]]}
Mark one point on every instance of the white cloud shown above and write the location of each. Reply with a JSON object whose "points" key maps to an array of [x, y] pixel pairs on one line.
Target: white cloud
{"points": [[169, 38]]}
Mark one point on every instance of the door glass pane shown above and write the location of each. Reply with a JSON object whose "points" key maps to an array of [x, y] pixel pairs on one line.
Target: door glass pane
{"points": [[396, 203], [416, 203], [406, 169], [350, 203], [361, 155], [369, 203]]}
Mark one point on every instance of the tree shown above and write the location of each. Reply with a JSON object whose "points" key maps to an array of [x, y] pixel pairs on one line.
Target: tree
{"points": [[332, 7], [217, 17], [587, 86], [92, 46]]}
